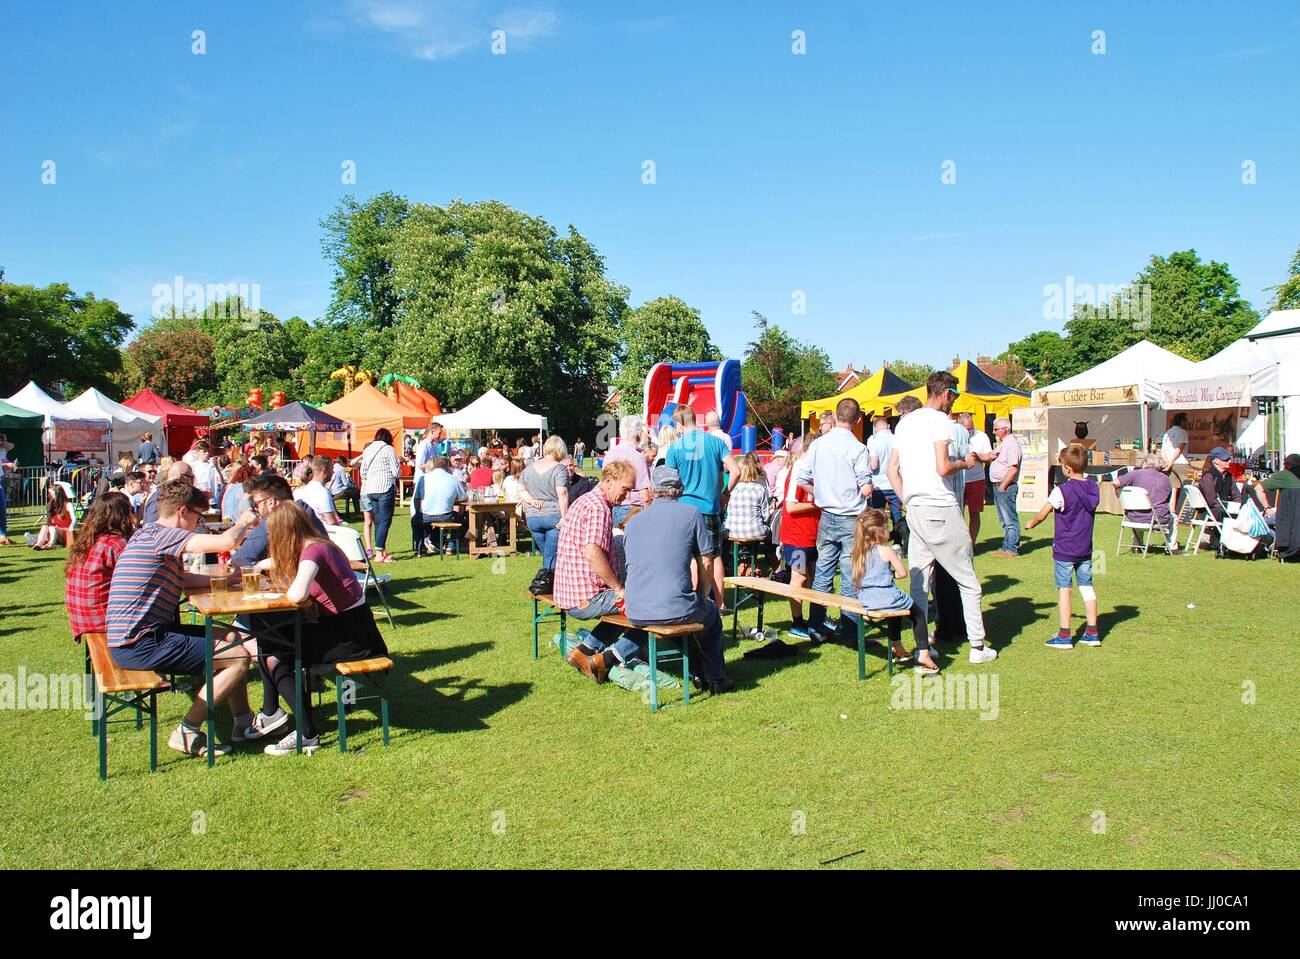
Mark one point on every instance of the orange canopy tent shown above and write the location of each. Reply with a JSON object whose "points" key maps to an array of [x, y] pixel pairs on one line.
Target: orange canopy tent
{"points": [[369, 411], [414, 398]]}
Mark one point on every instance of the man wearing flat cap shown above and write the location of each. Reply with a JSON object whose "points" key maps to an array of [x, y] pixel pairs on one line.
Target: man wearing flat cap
{"points": [[662, 544]]}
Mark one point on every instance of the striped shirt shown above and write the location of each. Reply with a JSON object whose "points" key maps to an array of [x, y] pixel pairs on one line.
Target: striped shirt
{"points": [[379, 469], [147, 581]]}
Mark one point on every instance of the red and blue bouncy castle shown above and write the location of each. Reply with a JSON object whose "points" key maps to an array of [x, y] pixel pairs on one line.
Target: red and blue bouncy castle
{"points": [[704, 387]]}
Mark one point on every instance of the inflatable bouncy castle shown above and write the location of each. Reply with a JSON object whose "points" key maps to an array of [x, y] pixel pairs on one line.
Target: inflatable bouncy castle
{"points": [[704, 387]]}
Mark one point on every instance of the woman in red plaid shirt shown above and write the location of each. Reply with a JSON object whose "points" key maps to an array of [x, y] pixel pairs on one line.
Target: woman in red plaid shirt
{"points": [[99, 542]]}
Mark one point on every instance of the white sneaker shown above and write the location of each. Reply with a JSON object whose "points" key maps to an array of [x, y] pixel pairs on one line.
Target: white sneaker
{"points": [[286, 746], [31, 538], [983, 654]]}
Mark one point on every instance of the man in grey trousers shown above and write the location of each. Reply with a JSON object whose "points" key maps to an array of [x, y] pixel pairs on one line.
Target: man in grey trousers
{"points": [[918, 466]]}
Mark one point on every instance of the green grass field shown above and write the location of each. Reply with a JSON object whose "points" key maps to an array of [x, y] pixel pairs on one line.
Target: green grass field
{"points": [[1140, 754]]}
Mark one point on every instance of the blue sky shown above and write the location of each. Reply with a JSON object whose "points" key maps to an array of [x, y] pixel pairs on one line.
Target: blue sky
{"points": [[775, 172]]}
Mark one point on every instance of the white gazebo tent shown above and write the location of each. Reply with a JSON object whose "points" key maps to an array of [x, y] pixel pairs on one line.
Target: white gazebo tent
{"points": [[127, 425], [1118, 399], [1261, 373], [492, 411], [65, 430]]}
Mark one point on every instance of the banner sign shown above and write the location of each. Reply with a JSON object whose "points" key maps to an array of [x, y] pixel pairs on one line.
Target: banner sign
{"points": [[1207, 429], [1089, 397], [84, 436], [1213, 393]]}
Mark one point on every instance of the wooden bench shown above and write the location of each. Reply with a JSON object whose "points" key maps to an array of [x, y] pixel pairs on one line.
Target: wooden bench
{"points": [[117, 690], [378, 666], [442, 529], [757, 584], [679, 636], [551, 612], [656, 633]]}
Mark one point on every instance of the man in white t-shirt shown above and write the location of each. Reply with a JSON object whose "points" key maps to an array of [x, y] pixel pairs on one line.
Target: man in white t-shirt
{"points": [[1173, 448], [879, 445], [713, 423], [976, 492], [206, 476], [918, 467], [316, 493]]}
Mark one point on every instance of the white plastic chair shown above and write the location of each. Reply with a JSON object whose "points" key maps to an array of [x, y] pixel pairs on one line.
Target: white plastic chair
{"points": [[1194, 501], [349, 540], [1134, 499]]}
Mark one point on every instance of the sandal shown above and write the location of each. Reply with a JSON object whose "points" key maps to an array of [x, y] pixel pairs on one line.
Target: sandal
{"points": [[922, 669]]}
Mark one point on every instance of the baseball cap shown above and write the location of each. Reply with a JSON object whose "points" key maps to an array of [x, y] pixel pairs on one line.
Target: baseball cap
{"points": [[666, 478], [1219, 453]]}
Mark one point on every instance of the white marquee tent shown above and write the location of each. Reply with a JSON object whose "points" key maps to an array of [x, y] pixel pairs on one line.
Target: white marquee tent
{"points": [[65, 430], [1118, 399], [1263, 365], [492, 411], [128, 425]]}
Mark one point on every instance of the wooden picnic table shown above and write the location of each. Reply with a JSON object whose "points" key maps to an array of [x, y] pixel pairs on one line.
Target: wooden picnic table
{"points": [[478, 511], [216, 608]]}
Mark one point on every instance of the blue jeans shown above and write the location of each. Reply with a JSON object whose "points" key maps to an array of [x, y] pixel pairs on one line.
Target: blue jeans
{"points": [[381, 504], [834, 551], [710, 641], [607, 635], [1008, 516], [546, 535], [882, 497], [1066, 572], [619, 513]]}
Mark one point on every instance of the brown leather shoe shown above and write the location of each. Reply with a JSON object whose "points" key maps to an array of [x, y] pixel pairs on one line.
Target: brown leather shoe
{"points": [[593, 666]]}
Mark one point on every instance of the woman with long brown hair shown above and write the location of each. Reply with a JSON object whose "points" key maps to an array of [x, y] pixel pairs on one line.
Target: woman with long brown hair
{"points": [[60, 516], [309, 567], [100, 539]]}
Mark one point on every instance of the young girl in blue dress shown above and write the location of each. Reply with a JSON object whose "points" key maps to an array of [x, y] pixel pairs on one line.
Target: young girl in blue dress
{"points": [[875, 566]]}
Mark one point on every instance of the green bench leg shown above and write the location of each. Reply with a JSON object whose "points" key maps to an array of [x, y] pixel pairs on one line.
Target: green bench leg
{"points": [[383, 712], [686, 671], [343, 716], [654, 674], [536, 611], [153, 732], [103, 735], [862, 649]]}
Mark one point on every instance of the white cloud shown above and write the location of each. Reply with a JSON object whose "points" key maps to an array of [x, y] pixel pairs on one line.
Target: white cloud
{"points": [[438, 29]]}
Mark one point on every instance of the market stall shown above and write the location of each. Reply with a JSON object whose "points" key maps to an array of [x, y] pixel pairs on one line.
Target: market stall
{"points": [[64, 430], [180, 425], [867, 393], [317, 425], [368, 411], [492, 411], [128, 425], [23, 428], [981, 395]]}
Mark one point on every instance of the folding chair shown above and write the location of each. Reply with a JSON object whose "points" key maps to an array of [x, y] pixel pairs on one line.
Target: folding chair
{"points": [[1194, 500], [349, 540], [1134, 499]]}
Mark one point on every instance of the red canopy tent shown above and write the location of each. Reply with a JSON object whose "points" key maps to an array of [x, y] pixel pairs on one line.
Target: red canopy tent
{"points": [[179, 423]]}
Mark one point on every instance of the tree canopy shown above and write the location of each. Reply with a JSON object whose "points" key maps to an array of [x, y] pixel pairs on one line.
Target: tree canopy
{"points": [[64, 341], [664, 329], [1286, 295], [780, 372]]}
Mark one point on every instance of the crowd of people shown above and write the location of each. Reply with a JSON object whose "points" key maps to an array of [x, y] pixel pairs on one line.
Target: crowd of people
{"points": [[646, 540]]}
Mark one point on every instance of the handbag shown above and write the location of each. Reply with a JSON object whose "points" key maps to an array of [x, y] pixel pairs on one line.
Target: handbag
{"points": [[543, 583]]}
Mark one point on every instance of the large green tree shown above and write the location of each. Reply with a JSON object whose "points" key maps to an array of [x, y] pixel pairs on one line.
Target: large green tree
{"points": [[359, 241], [64, 341], [493, 297], [1180, 302], [1039, 353], [174, 358], [780, 372], [664, 329], [1286, 295]]}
